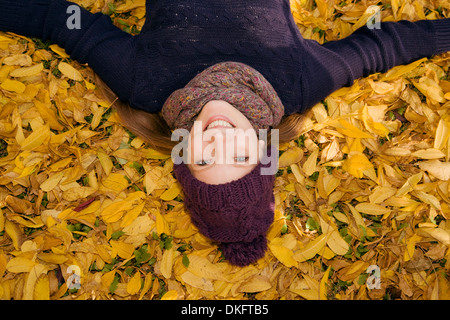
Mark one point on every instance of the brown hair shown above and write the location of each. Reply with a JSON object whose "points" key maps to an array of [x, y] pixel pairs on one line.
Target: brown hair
{"points": [[150, 127], [153, 129]]}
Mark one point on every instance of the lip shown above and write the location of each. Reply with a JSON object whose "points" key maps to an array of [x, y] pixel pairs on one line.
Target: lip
{"points": [[220, 117]]}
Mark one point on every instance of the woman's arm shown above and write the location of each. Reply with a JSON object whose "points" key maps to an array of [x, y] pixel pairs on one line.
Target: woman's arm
{"points": [[336, 64], [88, 38]]}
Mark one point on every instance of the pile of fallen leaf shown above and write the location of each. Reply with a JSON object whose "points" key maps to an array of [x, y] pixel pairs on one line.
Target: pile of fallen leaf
{"points": [[89, 211]]}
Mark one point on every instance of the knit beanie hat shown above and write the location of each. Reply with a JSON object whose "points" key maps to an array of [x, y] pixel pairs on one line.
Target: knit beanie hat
{"points": [[236, 83], [236, 214]]}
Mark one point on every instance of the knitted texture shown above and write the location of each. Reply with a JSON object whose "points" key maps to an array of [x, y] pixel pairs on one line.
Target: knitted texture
{"points": [[235, 214], [181, 38], [238, 84]]}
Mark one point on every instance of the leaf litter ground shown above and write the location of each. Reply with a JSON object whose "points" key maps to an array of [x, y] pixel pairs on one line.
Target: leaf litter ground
{"points": [[89, 211]]}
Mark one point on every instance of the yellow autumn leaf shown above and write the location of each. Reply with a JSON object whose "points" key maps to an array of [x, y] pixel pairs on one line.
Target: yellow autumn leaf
{"points": [[3, 263], [57, 49], [134, 285], [372, 117], [402, 69], [172, 192], [290, 156], [114, 182], [311, 249], [97, 117], [51, 182], [356, 164], [323, 285], [202, 267], [33, 276], [349, 130], [167, 262], [326, 183], [308, 294], [114, 211], [255, 284], [42, 288], [430, 88], [75, 193], [336, 243], [108, 278], [170, 295], [442, 134], [437, 233], [153, 154], [310, 165], [439, 169], [124, 250], [37, 138], [381, 193], [13, 86], [283, 254], [131, 215], [398, 152], [13, 231], [372, 208], [410, 246], [380, 87], [428, 154], [147, 284], [304, 194], [197, 281], [51, 257], [2, 221], [140, 225], [49, 115], [20, 264], [70, 72], [105, 161], [428, 198], [18, 60], [161, 224], [27, 71], [410, 184]]}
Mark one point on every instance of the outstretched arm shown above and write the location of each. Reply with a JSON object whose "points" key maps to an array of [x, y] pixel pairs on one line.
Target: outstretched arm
{"points": [[336, 64], [88, 38]]}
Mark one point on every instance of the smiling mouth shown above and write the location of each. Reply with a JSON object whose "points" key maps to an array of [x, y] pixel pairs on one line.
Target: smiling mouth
{"points": [[218, 122]]}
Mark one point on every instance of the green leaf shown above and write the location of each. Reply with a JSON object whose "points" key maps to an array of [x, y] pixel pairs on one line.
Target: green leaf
{"points": [[185, 260], [116, 235], [142, 255], [312, 224], [114, 283]]}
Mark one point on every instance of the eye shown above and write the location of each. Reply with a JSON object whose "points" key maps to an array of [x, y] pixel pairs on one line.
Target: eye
{"points": [[203, 162], [241, 159]]}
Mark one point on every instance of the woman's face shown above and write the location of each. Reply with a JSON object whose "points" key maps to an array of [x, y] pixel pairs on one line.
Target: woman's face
{"points": [[223, 145]]}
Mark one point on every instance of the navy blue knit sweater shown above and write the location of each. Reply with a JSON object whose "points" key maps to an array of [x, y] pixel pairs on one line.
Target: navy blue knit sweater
{"points": [[181, 38]]}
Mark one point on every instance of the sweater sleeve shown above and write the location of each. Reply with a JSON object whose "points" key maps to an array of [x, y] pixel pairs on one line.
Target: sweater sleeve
{"points": [[336, 64], [88, 38]]}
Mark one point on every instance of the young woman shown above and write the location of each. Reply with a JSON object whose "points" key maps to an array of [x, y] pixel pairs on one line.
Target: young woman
{"points": [[231, 65]]}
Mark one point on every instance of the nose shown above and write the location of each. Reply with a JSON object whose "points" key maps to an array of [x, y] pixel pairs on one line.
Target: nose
{"points": [[230, 143], [224, 140]]}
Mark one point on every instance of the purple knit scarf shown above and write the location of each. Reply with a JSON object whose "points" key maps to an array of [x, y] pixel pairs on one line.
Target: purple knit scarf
{"points": [[236, 83]]}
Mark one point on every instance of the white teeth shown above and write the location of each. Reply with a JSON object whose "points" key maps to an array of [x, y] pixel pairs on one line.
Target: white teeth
{"points": [[219, 123]]}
